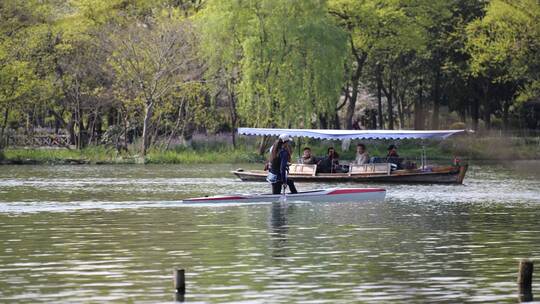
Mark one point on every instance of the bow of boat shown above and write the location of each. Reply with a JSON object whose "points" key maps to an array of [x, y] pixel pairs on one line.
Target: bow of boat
{"points": [[322, 195]]}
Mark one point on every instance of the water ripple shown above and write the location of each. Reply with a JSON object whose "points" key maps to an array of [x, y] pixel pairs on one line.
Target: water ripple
{"points": [[114, 234]]}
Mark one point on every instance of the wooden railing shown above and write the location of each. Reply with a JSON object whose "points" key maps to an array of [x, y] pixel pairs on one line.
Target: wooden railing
{"points": [[39, 140]]}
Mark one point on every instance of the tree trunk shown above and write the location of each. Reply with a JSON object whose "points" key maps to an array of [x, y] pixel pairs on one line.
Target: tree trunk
{"points": [[57, 125], [148, 110], [4, 126], [463, 113], [475, 112], [336, 121], [401, 115], [323, 121], [379, 98], [506, 106], [187, 134], [80, 126], [372, 119], [351, 106], [436, 100], [112, 117], [126, 122], [389, 99], [176, 126], [418, 109], [98, 128], [71, 129], [91, 127], [155, 134], [487, 116], [234, 116], [487, 108], [263, 145]]}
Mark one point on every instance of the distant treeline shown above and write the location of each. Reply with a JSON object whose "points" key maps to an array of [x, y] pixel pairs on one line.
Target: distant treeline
{"points": [[109, 71]]}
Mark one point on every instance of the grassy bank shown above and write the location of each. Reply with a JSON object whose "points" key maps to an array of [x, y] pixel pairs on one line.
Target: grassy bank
{"points": [[470, 148], [494, 147], [101, 155], [62, 156], [192, 156]]}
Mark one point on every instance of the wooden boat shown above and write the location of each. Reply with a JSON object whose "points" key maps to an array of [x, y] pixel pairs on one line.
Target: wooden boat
{"points": [[376, 173], [323, 195]]}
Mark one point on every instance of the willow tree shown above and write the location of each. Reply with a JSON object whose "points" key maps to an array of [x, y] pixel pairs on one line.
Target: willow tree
{"points": [[288, 57]]}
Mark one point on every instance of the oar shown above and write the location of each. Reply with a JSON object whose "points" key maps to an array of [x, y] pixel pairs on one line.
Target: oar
{"points": [[283, 197]]}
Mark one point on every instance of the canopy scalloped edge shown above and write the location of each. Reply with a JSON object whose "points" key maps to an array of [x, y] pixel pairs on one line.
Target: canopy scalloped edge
{"points": [[352, 134]]}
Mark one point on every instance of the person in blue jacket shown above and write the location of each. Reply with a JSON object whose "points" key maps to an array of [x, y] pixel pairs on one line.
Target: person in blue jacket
{"points": [[280, 156]]}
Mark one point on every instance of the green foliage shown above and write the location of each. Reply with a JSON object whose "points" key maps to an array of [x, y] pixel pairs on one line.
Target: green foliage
{"points": [[56, 156], [500, 41], [289, 58], [457, 126], [186, 105], [166, 68], [201, 157], [504, 45], [388, 27]]}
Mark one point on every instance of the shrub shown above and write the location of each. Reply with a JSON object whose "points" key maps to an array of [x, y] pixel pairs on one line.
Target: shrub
{"points": [[457, 126]]}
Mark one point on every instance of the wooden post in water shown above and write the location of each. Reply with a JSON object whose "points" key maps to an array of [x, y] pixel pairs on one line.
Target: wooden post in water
{"points": [[179, 284], [526, 268]]}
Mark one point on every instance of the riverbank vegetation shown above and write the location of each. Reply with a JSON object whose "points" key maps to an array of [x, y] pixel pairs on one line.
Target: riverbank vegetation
{"points": [[100, 155], [101, 75], [468, 148]]}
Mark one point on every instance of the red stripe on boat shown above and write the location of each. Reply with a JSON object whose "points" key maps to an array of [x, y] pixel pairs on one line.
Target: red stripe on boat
{"points": [[347, 191], [222, 198]]}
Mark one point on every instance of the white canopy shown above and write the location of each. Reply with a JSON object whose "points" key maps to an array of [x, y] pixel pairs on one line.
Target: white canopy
{"points": [[352, 134]]}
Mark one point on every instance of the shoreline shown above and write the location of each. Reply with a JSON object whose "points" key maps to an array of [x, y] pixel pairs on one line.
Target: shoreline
{"points": [[32, 162], [93, 156]]}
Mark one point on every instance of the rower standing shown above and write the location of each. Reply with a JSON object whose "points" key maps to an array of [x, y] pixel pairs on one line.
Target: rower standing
{"points": [[280, 156]]}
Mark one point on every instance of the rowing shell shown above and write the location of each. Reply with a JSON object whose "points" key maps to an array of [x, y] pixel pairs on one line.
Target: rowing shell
{"points": [[323, 195]]}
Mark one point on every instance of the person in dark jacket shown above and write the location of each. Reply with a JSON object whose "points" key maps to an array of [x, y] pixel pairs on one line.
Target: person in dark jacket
{"points": [[393, 157], [329, 164], [280, 156]]}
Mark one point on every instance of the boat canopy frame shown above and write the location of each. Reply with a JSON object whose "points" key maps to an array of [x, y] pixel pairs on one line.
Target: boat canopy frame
{"points": [[332, 134]]}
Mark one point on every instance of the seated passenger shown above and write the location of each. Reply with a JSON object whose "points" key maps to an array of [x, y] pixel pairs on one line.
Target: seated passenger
{"points": [[329, 163], [307, 157], [393, 157], [362, 156]]}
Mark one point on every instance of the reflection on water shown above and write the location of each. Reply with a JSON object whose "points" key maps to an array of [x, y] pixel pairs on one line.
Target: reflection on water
{"points": [[278, 220], [99, 233]]}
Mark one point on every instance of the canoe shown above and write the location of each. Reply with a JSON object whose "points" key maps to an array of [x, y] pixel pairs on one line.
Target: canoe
{"points": [[322, 195]]}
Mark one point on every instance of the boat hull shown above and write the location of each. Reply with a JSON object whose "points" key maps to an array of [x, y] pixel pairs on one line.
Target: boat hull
{"points": [[442, 175], [325, 195]]}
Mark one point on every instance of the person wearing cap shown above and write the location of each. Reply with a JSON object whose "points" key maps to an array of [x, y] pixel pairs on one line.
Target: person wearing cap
{"points": [[280, 156]]}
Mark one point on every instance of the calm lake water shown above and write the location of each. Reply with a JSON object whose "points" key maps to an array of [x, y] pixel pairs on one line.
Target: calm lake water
{"points": [[72, 234]]}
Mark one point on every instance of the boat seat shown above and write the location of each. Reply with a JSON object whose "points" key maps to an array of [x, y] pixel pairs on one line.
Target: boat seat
{"points": [[301, 169], [377, 168]]}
